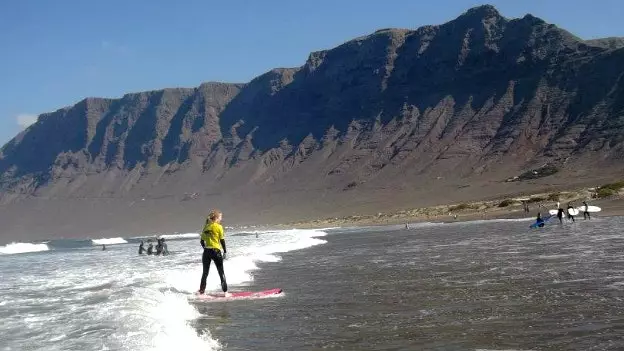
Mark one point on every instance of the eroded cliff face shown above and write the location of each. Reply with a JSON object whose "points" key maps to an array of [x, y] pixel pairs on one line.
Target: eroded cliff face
{"points": [[477, 99]]}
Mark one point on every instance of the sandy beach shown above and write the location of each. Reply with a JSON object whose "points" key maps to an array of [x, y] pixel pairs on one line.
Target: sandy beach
{"points": [[469, 211]]}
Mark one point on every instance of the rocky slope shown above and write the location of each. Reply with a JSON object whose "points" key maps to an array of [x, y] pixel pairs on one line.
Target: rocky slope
{"points": [[396, 118]]}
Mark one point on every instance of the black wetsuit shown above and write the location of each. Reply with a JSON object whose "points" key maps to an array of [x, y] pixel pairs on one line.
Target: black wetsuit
{"points": [[150, 249], [570, 217], [560, 215], [141, 249], [586, 214], [208, 256]]}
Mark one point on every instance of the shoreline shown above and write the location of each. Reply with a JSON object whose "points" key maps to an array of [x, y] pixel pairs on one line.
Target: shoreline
{"points": [[499, 208], [469, 211]]}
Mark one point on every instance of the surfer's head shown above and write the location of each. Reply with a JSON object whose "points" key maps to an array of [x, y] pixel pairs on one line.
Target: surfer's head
{"points": [[215, 216]]}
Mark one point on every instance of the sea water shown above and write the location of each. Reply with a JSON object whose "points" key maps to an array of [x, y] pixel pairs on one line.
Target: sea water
{"points": [[72, 295], [481, 285]]}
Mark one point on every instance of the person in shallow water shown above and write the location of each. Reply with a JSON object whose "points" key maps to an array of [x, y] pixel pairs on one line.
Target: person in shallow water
{"points": [[586, 214], [539, 220], [141, 248], [570, 216], [159, 247], [213, 242], [150, 248], [560, 213], [163, 245]]}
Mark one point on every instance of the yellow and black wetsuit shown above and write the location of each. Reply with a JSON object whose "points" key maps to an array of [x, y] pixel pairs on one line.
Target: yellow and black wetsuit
{"points": [[213, 242]]}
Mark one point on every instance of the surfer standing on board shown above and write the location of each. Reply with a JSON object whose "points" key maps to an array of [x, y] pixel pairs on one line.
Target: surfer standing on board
{"points": [[213, 242]]}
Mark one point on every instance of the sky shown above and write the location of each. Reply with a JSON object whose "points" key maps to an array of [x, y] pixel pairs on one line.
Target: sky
{"points": [[54, 53]]}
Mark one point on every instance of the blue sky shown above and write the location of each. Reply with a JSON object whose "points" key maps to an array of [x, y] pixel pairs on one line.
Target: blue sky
{"points": [[55, 53]]}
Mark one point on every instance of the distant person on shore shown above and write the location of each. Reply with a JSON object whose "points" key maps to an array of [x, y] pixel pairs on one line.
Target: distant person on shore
{"points": [[213, 242], [150, 248], [586, 214], [141, 248], [570, 216]]}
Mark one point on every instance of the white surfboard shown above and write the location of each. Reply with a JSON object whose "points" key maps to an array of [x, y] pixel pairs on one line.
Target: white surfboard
{"points": [[553, 212], [573, 211], [589, 208]]}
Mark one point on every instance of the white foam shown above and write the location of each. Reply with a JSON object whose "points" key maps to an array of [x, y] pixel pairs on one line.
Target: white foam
{"points": [[16, 248], [242, 261], [172, 313], [180, 236], [109, 241]]}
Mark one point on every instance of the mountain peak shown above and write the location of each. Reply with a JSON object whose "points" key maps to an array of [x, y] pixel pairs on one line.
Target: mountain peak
{"points": [[482, 12]]}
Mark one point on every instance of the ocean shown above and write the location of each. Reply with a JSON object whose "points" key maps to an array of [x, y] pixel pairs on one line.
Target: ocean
{"points": [[481, 285]]}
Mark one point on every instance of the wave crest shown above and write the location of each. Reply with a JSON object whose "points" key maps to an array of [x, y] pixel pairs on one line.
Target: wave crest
{"points": [[109, 241], [17, 248]]}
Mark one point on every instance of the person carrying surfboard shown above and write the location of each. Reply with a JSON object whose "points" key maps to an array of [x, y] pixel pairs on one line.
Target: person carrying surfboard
{"points": [[570, 216], [213, 242]]}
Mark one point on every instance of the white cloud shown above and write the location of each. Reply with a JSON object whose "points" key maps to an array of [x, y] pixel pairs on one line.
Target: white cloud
{"points": [[24, 120]]}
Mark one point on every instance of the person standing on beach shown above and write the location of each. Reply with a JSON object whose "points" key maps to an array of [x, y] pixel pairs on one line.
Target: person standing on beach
{"points": [[213, 242]]}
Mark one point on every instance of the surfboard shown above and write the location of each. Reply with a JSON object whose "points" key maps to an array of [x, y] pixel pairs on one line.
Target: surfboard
{"points": [[573, 211], [553, 212], [240, 295], [545, 219], [589, 208]]}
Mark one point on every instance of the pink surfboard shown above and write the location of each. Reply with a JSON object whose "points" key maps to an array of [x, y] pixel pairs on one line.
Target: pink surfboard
{"points": [[242, 294]]}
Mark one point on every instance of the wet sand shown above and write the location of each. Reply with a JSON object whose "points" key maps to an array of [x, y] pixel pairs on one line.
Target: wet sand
{"points": [[479, 210], [460, 286]]}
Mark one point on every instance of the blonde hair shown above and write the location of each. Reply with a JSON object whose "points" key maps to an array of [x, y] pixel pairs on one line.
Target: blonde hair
{"points": [[214, 214]]}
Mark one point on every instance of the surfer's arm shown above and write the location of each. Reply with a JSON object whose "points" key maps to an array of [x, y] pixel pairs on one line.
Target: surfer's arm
{"points": [[223, 245]]}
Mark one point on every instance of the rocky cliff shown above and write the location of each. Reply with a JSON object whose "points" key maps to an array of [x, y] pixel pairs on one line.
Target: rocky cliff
{"points": [[396, 118]]}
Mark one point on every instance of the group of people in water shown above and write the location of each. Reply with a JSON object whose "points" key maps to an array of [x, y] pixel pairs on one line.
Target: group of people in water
{"points": [[161, 248], [561, 213]]}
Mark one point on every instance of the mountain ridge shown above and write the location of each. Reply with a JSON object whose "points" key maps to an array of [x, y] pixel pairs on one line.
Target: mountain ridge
{"points": [[399, 113]]}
